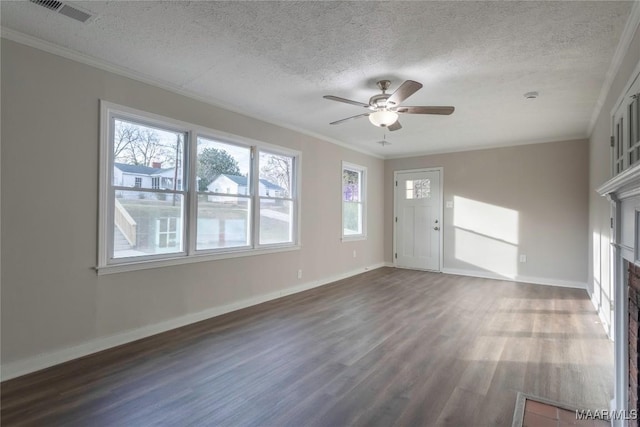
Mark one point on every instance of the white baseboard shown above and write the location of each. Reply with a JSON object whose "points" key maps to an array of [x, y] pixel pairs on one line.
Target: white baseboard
{"points": [[22, 367], [520, 279]]}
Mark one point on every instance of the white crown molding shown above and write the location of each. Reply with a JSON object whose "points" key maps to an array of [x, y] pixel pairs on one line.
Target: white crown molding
{"points": [[25, 366], [621, 51], [34, 42]]}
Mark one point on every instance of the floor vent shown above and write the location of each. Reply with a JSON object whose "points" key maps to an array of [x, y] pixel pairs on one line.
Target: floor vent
{"points": [[65, 9]]}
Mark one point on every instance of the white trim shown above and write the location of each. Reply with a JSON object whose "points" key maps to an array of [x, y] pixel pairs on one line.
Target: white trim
{"points": [[395, 179], [520, 279], [100, 64], [364, 196], [167, 262], [22, 367], [626, 181], [617, 189], [621, 51]]}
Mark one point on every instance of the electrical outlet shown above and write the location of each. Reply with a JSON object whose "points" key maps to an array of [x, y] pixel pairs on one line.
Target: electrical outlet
{"points": [[354, 253], [523, 258], [300, 274]]}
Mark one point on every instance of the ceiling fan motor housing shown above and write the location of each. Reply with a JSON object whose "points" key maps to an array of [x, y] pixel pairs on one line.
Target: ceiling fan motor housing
{"points": [[378, 101]]}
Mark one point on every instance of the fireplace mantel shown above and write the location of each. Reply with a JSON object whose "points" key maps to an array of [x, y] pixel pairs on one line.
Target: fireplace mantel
{"points": [[623, 185]]}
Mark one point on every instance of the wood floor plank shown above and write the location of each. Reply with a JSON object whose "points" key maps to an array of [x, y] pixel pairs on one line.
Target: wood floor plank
{"points": [[388, 347]]}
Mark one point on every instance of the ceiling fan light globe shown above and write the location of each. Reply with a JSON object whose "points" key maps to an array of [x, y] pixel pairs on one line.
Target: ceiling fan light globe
{"points": [[383, 118]]}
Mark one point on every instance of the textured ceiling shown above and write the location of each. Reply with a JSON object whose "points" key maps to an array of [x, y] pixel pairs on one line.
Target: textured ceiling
{"points": [[275, 60]]}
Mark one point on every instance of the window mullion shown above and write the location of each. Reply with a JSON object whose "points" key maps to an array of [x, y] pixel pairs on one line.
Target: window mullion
{"points": [[192, 193], [255, 197]]}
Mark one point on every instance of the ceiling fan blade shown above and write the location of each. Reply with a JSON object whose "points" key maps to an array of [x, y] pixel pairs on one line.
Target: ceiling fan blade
{"points": [[346, 101], [337, 122], [426, 110], [405, 90], [395, 126]]}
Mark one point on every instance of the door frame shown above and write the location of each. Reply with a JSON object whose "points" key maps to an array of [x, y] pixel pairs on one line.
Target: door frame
{"points": [[395, 224]]}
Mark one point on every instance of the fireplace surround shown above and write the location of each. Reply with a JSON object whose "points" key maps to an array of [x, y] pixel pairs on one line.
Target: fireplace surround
{"points": [[623, 192]]}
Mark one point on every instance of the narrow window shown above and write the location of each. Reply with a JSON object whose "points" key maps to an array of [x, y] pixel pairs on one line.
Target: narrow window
{"points": [[353, 201], [277, 195]]}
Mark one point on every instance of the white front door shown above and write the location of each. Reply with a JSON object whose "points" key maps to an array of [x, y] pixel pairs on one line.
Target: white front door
{"points": [[418, 222]]}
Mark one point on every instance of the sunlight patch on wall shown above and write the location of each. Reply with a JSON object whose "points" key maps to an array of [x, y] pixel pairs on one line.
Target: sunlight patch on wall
{"points": [[486, 236], [486, 219]]}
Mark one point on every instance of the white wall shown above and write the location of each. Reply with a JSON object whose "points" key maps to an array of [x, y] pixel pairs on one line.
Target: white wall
{"points": [[599, 285], [524, 200], [54, 306]]}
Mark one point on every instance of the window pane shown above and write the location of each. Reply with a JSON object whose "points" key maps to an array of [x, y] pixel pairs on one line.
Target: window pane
{"points": [[352, 217], [147, 157], [351, 185], [409, 189], [223, 168], [276, 175], [417, 189], [276, 221], [147, 223], [422, 188], [223, 222]]}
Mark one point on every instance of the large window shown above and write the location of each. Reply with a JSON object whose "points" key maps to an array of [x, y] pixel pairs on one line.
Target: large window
{"points": [[240, 197], [353, 201]]}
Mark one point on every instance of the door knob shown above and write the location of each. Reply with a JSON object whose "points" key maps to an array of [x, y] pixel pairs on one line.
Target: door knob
{"points": [[436, 228]]}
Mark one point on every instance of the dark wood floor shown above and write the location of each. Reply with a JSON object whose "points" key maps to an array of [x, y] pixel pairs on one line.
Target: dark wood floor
{"points": [[388, 347]]}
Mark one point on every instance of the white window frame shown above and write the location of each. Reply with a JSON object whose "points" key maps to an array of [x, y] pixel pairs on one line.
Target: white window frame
{"points": [[106, 264], [363, 188], [295, 190], [622, 122]]}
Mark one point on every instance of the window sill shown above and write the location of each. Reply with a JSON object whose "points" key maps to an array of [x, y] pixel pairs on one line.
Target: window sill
{"points": [[166, 262], [353, 238]]}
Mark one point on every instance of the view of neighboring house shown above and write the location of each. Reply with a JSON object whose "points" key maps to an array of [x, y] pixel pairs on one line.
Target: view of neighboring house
{"points": [[139, 230], [234, 184], [138, 176]]}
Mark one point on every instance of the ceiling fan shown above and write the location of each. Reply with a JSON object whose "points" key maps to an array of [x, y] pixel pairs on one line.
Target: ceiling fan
{"points": [[385, 107]]}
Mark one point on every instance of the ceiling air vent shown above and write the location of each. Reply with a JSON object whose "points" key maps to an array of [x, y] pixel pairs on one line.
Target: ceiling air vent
{"points": [[65, 9]]}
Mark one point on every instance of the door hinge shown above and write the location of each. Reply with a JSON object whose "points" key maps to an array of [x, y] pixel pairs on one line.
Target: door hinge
{"points": [[396, 255], [611, 222], [396, 183], [612, 141], [396, 219]]}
